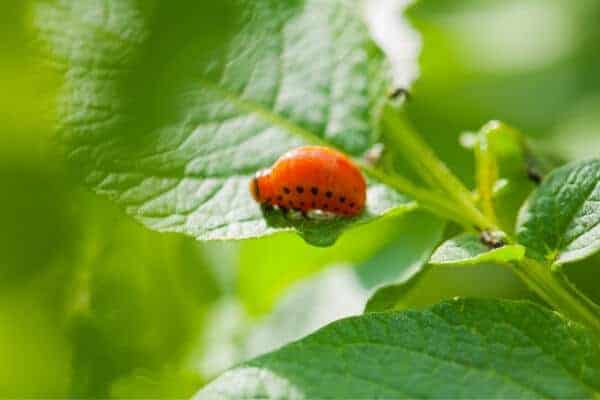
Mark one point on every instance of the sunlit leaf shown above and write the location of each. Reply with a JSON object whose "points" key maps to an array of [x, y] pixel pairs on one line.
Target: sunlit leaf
{"points": [[169, 108]]}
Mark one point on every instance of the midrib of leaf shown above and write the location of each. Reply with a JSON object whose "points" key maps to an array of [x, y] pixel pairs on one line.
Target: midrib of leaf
{"points": [[264, 113]]}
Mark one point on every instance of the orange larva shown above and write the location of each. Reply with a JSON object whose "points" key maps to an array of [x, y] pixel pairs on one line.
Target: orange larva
{"points": [[312, 178]]}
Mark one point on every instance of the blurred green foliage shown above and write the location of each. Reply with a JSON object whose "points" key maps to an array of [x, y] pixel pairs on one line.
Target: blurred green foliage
{"points": [[94, 305]]}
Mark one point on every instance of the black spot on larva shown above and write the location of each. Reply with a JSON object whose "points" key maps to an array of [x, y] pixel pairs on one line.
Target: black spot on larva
{"points": [[342, 199], [279, 198], [328, 194], [325, 206], [314, 190], [301, 204], [286, 190], [291, 203], [299, 189], [336, 209], [351, 205], [314, 204]]}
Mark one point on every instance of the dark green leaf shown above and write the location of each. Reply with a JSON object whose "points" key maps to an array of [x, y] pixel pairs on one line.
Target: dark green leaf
{"points": [[468, 249], [457, 349], [170, 107], [560, 223]]}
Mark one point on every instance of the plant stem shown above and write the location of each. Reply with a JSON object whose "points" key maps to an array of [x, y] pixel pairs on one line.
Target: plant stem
{"points": [[427, 199], [431, 168], [551, 286], [555, 289], [486, 176]]}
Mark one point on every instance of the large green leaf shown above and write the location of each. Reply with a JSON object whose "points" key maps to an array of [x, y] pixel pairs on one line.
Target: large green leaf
{"points": [[457, 349], [468, 249], [561, 221], [170, 107]]}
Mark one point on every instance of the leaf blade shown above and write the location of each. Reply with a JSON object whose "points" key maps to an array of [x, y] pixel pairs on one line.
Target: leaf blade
{"points": [[468, 249], [364, 356], [560, 223], [232, 87]]}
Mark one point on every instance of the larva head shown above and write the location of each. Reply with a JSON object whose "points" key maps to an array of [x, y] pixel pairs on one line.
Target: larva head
{"points": [[254, 189], [259, 186]]}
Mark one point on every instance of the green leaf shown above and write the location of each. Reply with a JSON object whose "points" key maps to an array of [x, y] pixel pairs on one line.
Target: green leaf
{"points": [[169, 108], [468, 249], [561, 220], [457, 349]]}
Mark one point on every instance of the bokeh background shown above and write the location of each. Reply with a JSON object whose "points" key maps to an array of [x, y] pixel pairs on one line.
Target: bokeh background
{"points": [[94, 305]]}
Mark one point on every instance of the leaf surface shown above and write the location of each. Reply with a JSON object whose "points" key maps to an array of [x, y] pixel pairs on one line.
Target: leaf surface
{"points": [[468, 249], [170, 108], [560, 222], [457, 349]]}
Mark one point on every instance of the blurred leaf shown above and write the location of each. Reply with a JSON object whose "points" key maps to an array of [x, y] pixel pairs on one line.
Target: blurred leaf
{"points": [[468, 249], [472, 69], [336, 292], [340, 292], [135, 302], [233, 86], [384, 251], [310, 304], [35, 354], [560, 222], [576, 136], [144, 385], [458, 349], [38, 227]]}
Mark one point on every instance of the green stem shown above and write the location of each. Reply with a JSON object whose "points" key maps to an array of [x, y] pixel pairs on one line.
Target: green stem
{"points": [[486, 176], [550, 285], [427, 199], [431, 168], [555, 289]]}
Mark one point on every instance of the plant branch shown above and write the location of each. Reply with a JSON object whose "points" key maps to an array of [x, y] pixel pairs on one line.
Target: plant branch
{"points": [[427, 199], [431, 168], [486, 176]]}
